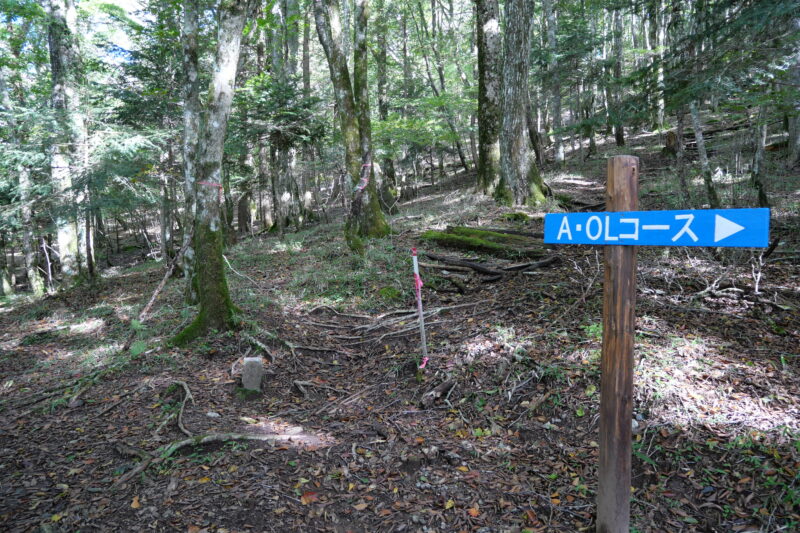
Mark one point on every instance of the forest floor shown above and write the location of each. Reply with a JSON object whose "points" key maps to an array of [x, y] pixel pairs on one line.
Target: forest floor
{"points": [[348, 439]]}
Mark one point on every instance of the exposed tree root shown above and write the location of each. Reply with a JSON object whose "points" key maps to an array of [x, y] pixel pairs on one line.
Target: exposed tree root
{"points": [[170, 449], [186, 396], [130, 451]]}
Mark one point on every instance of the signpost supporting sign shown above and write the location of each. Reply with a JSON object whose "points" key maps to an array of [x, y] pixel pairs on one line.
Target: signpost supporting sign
{"points": [[621, 229]]}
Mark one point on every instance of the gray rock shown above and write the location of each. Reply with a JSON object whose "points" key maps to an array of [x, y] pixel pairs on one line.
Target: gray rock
{"points": [[252, 373]]}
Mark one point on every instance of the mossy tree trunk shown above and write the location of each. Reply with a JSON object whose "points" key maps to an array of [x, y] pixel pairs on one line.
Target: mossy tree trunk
{"points": [[520, 181], [489, 61], [216, 311], [366, 218]]}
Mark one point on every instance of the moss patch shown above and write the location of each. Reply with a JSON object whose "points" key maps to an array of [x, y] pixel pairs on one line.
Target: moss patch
{"points": [[487, 242], [516, 217]]}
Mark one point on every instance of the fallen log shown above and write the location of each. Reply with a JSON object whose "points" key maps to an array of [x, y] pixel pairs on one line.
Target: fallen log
{"points": [[487, 242], [477, 267]]}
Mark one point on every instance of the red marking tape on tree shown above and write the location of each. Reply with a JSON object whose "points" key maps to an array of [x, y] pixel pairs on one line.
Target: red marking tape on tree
{"points": [[217, 185]]}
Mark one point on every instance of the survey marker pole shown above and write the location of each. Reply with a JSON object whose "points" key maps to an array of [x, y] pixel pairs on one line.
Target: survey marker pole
{"points": [[616, 380]]}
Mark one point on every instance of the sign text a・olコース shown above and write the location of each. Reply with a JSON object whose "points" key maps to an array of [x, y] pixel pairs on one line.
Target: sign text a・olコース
{"points": [[747, 228]]}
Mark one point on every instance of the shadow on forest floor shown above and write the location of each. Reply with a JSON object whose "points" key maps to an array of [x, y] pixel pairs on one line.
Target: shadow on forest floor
{"points": [[343, 436]]}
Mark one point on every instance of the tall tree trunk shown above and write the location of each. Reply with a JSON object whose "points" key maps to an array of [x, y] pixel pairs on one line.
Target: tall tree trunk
{"points": [[705, 168], [366, 218], [555, 81], [388, 189], [757, 176], [489, 92], [619, 130], [191, 133], [65, 157], [216, 309], [520, 180], [794, 118]]}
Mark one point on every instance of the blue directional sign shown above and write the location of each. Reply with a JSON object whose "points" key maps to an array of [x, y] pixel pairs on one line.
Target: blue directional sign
{"points": [[742, 228]]}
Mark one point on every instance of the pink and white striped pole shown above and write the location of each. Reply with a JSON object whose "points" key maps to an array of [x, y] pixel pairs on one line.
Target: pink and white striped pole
{"points": [[418, 291]]}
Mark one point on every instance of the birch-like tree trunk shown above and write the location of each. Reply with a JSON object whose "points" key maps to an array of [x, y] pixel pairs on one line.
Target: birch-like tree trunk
{"points": [[555, 78], [705, 168], [757, 175], [520, 180], [70, 138], [489, 92], [216, 309], [191, 133], [366, 218]]}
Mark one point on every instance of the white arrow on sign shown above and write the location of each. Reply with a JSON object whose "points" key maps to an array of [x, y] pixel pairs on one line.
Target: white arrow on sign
{"points": [[724, 228]]}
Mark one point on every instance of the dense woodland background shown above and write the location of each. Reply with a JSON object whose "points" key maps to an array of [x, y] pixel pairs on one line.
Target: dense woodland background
{"points": [[271, 163]]}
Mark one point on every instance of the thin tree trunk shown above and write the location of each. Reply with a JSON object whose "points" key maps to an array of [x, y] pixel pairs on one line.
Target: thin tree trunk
{"points": [[6, 282], [389, 182], [555, 83], [757, 176], [520, 180], [619, 130], [681, 157], [216, 309], [489, 93], [794, 118], [713, 198], [24, 186]]}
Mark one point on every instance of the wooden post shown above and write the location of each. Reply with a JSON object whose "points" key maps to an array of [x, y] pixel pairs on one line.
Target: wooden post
{"points": [[616, 382]]}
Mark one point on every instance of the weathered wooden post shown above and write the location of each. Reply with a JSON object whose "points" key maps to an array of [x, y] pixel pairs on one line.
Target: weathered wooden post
{"points": [[621, 229], [616, 381]]}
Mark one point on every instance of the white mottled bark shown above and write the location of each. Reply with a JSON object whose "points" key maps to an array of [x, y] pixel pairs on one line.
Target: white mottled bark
{"points": [[191, 132], [67, 153]]}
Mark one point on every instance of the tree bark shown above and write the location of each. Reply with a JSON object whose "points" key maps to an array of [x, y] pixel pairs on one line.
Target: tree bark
{"points": [[70, 138], [191, 133], [705, 168], [216, 309], [365, 218], [520, 180], [489, 92]]}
